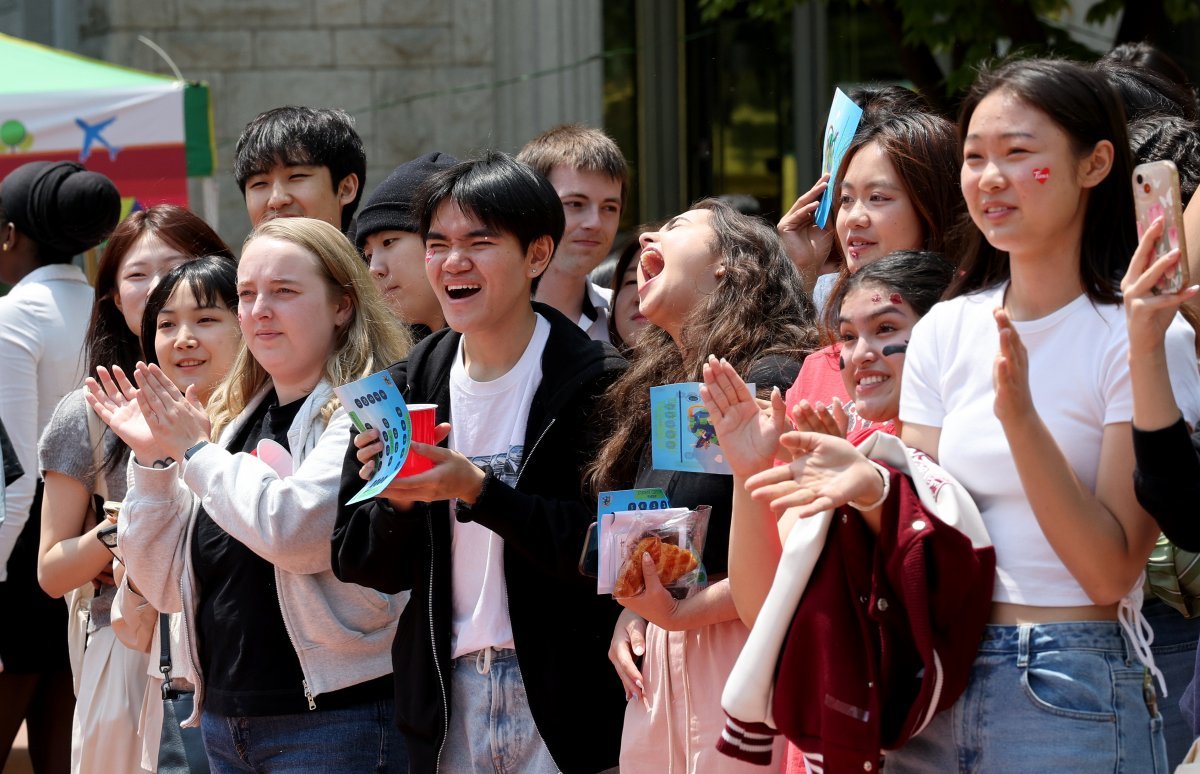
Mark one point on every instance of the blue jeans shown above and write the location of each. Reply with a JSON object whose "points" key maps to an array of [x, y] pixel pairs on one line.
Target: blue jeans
{"points": [[362, 738], [491, 728], [1064, 697], [1174, 651]]}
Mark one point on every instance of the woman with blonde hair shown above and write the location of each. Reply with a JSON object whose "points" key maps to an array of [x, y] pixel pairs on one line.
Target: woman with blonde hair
{"points": [[292, 667]]}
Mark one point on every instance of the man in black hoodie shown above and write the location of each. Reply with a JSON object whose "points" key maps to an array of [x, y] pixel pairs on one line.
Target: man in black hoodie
{"points": [[501, 651]]}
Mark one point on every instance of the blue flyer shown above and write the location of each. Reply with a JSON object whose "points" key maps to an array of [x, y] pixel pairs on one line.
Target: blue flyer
{"points": [[844, 116], [375, 401], [682, 436]]}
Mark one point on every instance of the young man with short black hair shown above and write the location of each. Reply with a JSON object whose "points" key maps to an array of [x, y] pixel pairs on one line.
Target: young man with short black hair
{"points": [[500, 657], [589, 173], [301, 162]]}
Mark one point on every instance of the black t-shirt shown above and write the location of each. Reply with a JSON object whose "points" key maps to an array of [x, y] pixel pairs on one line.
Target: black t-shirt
{"points": [[247, 657]]}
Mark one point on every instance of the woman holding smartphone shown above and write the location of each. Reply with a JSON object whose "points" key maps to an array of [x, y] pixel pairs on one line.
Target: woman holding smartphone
{"points": [[292, 667], [1019, 386]]}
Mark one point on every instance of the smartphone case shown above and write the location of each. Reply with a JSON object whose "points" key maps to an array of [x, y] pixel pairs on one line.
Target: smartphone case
{"points": [[1156, 194]]}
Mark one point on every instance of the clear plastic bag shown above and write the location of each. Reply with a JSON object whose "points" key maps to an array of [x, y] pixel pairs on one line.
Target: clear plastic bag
{"points": [[674, 537]]}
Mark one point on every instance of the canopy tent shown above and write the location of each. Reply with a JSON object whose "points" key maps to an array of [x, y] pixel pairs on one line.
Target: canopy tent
{"points": [[148, 133]]}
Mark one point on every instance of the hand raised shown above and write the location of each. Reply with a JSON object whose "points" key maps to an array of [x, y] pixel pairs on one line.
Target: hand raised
{"points": [[178, 420], [1147, 312], [825, 472], [115, 401], [1010, 374], [830, 420], [806, 244], [749, 434]]}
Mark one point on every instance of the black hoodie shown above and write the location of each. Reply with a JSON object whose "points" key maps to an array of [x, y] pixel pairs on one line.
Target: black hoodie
{"points": [[561, 627]]}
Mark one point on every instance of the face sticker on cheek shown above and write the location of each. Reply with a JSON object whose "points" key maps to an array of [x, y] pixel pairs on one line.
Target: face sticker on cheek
{"points": [[895, 349], [1041, 175], [429, 255]]}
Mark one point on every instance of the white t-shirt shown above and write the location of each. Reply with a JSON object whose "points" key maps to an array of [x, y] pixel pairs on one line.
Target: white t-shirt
{"points": [[1079, 378], [488, 425]]}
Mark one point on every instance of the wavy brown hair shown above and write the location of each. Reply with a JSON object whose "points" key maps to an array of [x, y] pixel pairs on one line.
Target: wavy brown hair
{"points": [[759, 308]]}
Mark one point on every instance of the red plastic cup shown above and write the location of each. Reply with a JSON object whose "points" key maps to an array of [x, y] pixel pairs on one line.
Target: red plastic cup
{"points": [[423, 417]]}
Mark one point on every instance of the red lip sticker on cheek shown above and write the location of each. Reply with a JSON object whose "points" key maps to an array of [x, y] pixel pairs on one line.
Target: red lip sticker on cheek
{"points": [[1041, 175], [429, 255]]}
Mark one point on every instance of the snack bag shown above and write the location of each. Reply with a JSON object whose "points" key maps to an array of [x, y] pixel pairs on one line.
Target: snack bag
{"points": [[673, 537]]}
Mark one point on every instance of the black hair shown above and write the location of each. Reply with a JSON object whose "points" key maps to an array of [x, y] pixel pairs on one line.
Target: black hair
{"points": [[1081, 103], [211, 279], [1171, 138], [880, 100], [919, 276], [502, 193], [1147, 57], [1145, 92], [296, 136]]}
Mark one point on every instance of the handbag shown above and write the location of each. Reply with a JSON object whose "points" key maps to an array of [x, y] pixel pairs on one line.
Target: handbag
{"points": [[1173, 575], [180, 750]]}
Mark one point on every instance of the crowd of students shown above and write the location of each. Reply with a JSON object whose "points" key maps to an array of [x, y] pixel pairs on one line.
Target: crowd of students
{"points": [[1004, 330]]}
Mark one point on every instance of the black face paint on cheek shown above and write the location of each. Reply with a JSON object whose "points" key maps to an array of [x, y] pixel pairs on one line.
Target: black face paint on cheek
{"points": [[895, 349], [841, 362]]}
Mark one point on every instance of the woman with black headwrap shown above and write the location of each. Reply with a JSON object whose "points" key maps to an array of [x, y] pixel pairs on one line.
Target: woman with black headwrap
{"points": [[49, 213]]}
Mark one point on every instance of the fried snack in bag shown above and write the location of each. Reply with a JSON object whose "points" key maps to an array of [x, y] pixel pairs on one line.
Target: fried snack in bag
{"points": [[671, 562]]}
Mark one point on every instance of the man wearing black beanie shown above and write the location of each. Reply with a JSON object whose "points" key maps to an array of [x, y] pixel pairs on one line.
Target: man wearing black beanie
{"points": [[388, 239]]}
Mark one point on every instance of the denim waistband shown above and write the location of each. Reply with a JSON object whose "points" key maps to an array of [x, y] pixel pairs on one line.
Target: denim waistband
{"points": [[484, 658], [1075, 635]]}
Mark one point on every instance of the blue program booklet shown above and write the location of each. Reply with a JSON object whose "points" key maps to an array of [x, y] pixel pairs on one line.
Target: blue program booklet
{"points": [[844, 116], [682, 436], [375, 401]]}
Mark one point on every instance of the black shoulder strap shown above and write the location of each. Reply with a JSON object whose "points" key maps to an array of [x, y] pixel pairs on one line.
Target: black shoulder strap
{"points": [[164, 644]]}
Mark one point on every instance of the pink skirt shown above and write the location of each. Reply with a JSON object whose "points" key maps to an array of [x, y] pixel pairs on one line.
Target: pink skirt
{"points": [[684, 674]]}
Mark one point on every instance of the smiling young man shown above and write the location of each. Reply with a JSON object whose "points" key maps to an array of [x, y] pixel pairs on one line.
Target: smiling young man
{"points": [[588, 172], [500, 656], [301, 162]]}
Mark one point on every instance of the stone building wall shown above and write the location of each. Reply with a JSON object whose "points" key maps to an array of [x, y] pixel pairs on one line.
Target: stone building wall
{"points": [[418, 75]]}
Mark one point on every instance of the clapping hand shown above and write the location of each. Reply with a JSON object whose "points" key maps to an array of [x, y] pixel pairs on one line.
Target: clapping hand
{"points": [[749, 434], [831, 419], [1010, 374], [115, 401], [825, 472], [178, 420]]}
